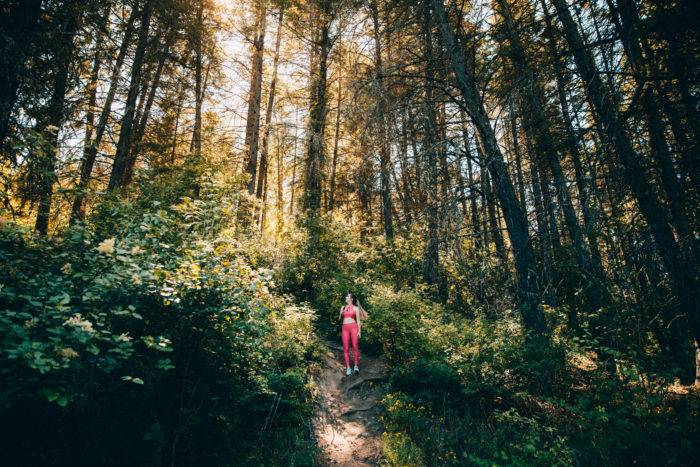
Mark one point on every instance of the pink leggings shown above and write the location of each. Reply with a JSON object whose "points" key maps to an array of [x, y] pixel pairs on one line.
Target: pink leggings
{"points": [[349, 331]]}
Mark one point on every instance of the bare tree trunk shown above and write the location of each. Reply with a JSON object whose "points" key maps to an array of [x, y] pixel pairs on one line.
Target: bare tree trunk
{"points": [[294, 163], [123, 156], [384, 149], [142, 121], [264, 153], [476, 229], [90, 153], [315, 159], [518, 159], [76, 212], [628, 27], [55, 114], [533, 104], [280, 193], [331, 197], [197, 133], [493, 220], [431, 265], [252, 129]]}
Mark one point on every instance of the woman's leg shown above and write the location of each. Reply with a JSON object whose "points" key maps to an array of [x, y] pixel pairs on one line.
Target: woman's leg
{"points": [[355, 343], [345, 337]]}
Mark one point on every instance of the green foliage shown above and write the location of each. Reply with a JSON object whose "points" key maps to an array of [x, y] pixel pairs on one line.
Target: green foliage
{"points": [[150, 326]]}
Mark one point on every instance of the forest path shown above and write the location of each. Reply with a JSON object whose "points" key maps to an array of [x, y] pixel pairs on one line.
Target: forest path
{"points": [[346, 421]]}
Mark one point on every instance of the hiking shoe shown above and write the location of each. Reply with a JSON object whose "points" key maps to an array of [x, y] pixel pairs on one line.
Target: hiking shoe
{"points": [[356, 370], [348, 371]]}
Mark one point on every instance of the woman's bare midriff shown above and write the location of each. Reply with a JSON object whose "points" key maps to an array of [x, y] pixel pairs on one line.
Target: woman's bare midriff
{"points": [[348, 320]]}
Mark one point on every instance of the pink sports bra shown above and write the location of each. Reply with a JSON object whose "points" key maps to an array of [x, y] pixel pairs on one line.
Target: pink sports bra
{"points": [[348, 314]]}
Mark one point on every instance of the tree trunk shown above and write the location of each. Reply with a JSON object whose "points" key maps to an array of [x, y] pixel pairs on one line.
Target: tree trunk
{"points": [[431, 264], [197, 133], [315, 159], [19, 34], [122, 158], [533, 104], [142, 121], [476, 230], [76, 212], [90, 153], [270, 109], [55, 114], [380, 116], [629, 31], [252, 129], [336, 141]]}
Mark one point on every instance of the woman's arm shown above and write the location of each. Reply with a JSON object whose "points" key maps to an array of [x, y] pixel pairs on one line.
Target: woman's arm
{"points": [[359, 321], [340, 315]]}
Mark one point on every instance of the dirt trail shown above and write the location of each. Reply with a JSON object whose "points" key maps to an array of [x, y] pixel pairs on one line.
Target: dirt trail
{"points": [[346, 422]]}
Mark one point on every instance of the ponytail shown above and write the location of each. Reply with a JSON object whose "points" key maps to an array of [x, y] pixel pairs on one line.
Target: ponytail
{"points": [[363, 313]]}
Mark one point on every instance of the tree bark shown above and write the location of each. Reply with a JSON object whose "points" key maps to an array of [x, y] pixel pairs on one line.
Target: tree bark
{"points": [[315, 159], [90, 153], [252, 129], [431, 264], [18, 30], [122, 158], [336, 141], [270, 108], [198, 94], [533, 102], [380, 116]]}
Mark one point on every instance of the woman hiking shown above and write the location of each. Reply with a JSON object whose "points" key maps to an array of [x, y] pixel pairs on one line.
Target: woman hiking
{"points": [[352, 314]]}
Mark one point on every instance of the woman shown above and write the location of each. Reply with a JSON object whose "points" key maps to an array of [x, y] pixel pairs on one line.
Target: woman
{"points": [[352, 314]]}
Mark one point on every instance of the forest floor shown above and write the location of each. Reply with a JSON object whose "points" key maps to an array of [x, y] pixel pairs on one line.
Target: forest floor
{"points": [[346, 422]]}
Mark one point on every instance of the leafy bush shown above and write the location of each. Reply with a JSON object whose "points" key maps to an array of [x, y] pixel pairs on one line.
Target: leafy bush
{"points": [[146, 337]]}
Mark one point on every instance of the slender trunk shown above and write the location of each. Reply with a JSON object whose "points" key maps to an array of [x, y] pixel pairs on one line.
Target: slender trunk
{"points": [[629, 31], [280, 194], [331, 198], [493, 221], [270, 108], [142, 121], [533, 102], [406, 182], [197, 133], [294, 163], [431, 265], [178, 111], [380, 116], [55, 114], [574, 154], [90, 153], [315, 160], [252, 129], [518, 160], [76, 212], [476, 230], [122, 158], [19, 36]]}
